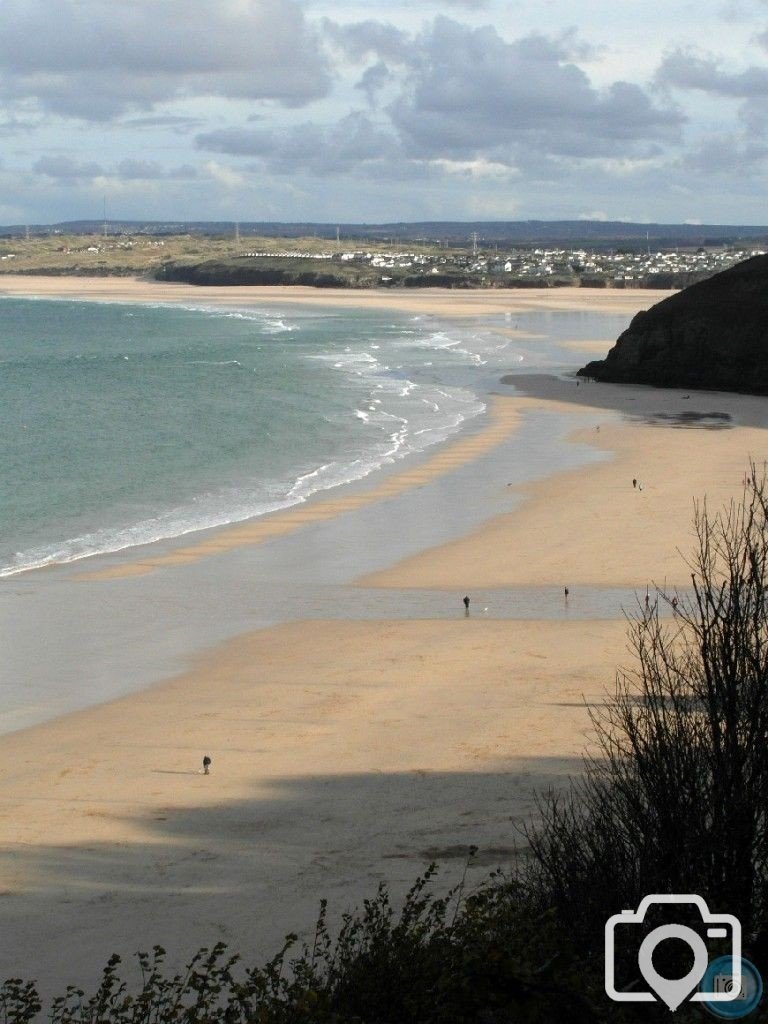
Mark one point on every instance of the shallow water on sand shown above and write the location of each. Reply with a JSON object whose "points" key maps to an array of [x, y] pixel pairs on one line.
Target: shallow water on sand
{"points": [[125, 424], [70, 642]]}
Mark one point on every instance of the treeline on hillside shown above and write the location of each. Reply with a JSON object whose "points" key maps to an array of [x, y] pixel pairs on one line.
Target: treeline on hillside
{"points": [[310, 273], [337, 274]]}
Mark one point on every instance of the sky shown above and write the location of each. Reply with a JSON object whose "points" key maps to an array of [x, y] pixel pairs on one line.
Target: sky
{"points": [[365, 111]]}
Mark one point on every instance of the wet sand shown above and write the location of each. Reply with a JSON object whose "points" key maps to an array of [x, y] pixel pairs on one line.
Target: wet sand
{"points": [[349, 752], [591, 527]]}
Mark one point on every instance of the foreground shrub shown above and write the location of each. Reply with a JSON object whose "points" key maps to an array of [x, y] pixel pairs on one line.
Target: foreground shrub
{"points": [[675, 799], [452, 959]]}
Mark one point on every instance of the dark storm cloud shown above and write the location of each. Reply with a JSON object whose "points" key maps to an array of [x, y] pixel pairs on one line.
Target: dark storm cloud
{"points": [[473, 93], [97, 58], [318, 149], [684, 70]]}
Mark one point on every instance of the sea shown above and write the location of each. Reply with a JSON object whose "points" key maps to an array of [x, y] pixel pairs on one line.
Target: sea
{"points": [[123, 424]]}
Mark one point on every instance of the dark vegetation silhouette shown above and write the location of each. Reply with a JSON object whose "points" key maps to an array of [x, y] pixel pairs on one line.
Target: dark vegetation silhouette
{"points": [[711, 335], [673, 798]]}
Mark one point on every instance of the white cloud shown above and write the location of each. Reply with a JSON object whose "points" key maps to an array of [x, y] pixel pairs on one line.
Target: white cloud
{"points": [[225, 176], [480, 168], [263, 100], [97, 58]]}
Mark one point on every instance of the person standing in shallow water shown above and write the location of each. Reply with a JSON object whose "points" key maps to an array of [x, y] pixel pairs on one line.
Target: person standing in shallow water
{"points": [[466, 605]]}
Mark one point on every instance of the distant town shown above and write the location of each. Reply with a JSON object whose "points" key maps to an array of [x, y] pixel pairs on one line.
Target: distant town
{"points": [[227, 255], [541, 265]]}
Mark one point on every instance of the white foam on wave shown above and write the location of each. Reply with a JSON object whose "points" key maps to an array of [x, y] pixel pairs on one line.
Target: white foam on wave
{"points": [[215, 362], [422, 412], [175, 523], [397, 417], [444, 342], [278, 327], [268, 320]]}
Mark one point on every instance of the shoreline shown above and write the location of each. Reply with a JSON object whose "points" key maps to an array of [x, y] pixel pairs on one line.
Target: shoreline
{"points": [[589, 527], [117, 623], [430, 301], [346, 750], [436, 302]]}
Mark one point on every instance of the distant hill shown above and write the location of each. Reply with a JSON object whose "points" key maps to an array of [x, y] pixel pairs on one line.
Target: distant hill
{"points": [[712, 335], [569, 233]]}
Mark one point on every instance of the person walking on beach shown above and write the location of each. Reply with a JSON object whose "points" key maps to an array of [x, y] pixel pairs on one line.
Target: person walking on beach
{"points": [[206, 765], [466, 605], [634, 481], [566, 591]]}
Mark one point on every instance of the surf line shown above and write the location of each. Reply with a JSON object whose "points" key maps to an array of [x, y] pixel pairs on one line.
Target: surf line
{"points": [[503, 419]]}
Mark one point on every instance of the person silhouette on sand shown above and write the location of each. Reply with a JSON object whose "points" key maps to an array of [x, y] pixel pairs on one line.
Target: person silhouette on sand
{"points": [[466, 605], [206, 765], [566, 591]]}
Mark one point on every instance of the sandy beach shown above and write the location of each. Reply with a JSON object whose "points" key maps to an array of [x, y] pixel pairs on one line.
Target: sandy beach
{"points": [[350, 752], [592, 527], [344, 754], [435, 301]]}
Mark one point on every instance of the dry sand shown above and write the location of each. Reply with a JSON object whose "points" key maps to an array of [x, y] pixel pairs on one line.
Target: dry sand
{"points": [[427, 301], [591, 526], [348, 752], [343, 753], [597, 348]]}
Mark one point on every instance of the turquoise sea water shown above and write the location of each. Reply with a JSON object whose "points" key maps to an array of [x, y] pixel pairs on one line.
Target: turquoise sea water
{"points": [[123, 424]]}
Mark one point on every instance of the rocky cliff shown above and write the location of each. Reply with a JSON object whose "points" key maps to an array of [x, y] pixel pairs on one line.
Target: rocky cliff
{"points": [[713, 335]]}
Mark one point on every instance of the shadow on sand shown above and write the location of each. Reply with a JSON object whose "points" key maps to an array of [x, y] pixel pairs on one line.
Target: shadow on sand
{"points": [[660, 406], [248, 871]]}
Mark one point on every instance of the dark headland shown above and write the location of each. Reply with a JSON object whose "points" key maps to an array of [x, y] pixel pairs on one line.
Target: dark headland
{"points": [[712, 335]]}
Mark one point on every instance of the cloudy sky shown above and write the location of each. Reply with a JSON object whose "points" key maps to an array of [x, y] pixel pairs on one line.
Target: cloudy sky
{"points": [[360, 110]]}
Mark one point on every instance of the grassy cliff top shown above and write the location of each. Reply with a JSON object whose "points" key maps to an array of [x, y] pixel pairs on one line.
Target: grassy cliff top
{"points": [[144, 254]]}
